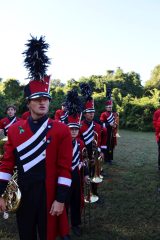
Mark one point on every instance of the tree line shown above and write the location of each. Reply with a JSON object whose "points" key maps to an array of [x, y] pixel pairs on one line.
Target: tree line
{"points": [[134, 102]]}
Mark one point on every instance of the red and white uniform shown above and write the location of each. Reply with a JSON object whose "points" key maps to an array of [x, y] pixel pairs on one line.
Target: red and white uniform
{"points": [[51, 145], [156, 124], [108, 118], [26, 115], [89, 131], [6, 122], [61, 115]]}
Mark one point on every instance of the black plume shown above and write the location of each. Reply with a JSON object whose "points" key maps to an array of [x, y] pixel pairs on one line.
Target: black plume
{"points": [[86, 91], [108, 93], [36, 60], [73, 103]]}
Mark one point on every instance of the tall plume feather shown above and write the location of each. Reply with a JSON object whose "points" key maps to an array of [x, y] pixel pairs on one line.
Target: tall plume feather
{"points": [[36, 60], [86, 91], [73, 103], [108, 92]]}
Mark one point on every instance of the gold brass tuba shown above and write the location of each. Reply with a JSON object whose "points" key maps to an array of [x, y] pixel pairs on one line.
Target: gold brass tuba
{"points": [[12, 195]]}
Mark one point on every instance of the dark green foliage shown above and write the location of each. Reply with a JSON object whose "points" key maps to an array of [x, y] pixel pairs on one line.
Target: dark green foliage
{"points": [[12, 94], [58, 97], [154, 81]]}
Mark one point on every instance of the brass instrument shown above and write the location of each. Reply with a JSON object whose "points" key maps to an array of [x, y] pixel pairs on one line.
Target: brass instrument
{"points": [[97, 161], [12, 195], [3, 140], [89, 198]]}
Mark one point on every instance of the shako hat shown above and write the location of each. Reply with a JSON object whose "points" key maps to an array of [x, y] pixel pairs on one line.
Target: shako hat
{"points": [[109, 103], [37, 62]]}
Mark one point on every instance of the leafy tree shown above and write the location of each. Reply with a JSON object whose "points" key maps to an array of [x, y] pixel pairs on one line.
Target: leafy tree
{"points": [[12, 90], [128, 83], [154, 81], [56, 83]]}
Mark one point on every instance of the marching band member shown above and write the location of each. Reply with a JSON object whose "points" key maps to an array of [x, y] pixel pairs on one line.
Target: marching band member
{"points": [[108, 119], [61, 114], [74, 107], [90, 133], [11, 118], [42, 150], [156, 125]]}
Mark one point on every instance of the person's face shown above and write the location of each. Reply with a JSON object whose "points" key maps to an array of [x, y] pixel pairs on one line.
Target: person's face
{"points": [[89, 116], [108, 108], [74, 132], [38, 107], [11, 112], [63, 108]]}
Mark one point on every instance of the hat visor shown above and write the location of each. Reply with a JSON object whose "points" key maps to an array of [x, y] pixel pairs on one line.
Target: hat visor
{"points": [[73, 125], [39, 94], [91, 110]]}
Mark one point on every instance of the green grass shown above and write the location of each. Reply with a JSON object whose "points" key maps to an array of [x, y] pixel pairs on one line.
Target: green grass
{"points": [[129, 207]]}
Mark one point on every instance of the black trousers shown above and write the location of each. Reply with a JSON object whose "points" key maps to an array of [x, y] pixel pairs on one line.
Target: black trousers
{"points": [[31, 215], [108, 153], [74, 201]]}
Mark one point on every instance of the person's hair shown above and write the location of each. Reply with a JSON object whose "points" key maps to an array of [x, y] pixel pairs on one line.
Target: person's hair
{"points": [[10, 106], [63, 104]]}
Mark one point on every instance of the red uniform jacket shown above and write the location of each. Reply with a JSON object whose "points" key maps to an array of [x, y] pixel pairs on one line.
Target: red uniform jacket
{"points": [[97, 129], [156, 124], [110, 117], [6, 122], [58, 114], [26, 115], [58, 157]]}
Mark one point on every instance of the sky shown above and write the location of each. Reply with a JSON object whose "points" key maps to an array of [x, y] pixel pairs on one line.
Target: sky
{"points": [[86, 37]]}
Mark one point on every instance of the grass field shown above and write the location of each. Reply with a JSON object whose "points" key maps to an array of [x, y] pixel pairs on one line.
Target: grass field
{"points": [[129, 207]]}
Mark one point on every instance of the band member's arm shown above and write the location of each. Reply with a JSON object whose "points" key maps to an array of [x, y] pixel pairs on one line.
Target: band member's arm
{"points": [[64, 172], [64, 165], [103, 138], [156, 124], [6, 170]]}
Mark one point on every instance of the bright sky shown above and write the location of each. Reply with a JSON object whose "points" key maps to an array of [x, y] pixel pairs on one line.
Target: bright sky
{"points": [[86, 37]]}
